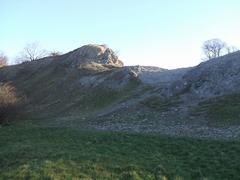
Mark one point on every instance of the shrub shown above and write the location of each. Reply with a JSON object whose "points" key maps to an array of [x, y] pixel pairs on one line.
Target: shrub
{"points": [[9, 102], [3, 60]]}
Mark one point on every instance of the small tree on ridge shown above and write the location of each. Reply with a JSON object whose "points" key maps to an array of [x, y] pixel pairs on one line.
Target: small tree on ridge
{"points": [[213, 48]]}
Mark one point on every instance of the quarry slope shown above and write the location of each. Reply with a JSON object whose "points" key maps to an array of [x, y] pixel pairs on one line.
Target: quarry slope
{"points": [[90, 88]]}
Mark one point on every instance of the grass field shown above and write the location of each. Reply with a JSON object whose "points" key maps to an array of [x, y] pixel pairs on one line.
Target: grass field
{"points": [[31, 152]]}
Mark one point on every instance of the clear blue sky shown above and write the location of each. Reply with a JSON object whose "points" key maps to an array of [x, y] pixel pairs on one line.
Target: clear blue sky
{"points": [[148, 32]]}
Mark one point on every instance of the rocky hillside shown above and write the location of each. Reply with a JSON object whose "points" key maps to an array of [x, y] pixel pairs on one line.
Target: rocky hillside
{"points": [[90, 88]]}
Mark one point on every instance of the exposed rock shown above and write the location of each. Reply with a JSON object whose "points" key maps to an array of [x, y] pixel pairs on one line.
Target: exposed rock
{"points": [[112, 78], [215, 77], [94, 53]]}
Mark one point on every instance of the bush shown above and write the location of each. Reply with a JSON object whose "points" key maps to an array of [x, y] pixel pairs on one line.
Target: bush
{"points": [[9, 102], [3, 60]]}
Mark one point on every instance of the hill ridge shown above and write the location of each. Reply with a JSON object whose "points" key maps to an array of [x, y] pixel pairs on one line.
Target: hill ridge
{"points": [[79, 91]]}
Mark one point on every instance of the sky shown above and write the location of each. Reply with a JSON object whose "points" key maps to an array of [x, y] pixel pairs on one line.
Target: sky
{"points": [[162, 33]]}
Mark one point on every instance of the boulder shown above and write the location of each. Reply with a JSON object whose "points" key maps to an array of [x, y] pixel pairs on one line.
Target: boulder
{"points": [[95, 53]]}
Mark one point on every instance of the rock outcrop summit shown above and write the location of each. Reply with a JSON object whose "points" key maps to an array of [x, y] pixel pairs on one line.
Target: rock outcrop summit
{"points": [[93, 53]]}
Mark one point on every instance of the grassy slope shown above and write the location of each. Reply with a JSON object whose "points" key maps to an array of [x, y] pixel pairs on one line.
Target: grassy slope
{"points": [[55, 92], [159, 104], [221, 111], [31, 152]]}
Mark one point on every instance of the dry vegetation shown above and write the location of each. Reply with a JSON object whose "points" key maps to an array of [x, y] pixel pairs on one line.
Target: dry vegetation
{"points": [[3, 59], [9, 102]]}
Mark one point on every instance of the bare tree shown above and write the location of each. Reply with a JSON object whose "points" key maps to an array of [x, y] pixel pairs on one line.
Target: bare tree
{"points": [[231, 49], [54, 53], [213, 48], [31, 52], [3, 59]]}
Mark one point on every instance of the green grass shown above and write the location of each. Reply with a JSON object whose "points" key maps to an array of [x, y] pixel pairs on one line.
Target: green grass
{"points": [[99, 98], [55, 101], [222, 111], [160, 104], [31, 152]]}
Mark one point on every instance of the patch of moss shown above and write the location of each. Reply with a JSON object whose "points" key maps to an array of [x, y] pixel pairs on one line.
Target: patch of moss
{"points": [[160, 104], [224, 110], [100, 97]]}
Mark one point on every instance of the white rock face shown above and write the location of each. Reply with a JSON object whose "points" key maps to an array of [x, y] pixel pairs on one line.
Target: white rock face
{"points": [[91, 51], [95, 53]]}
